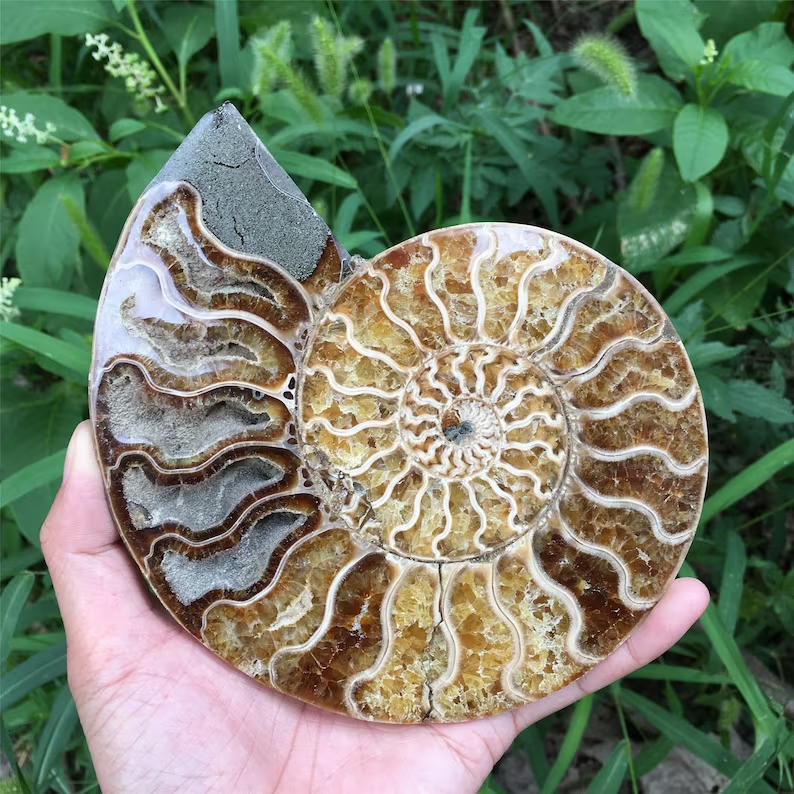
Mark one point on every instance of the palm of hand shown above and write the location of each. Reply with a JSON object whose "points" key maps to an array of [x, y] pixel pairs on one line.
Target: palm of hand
{"points": [[161, 713]]}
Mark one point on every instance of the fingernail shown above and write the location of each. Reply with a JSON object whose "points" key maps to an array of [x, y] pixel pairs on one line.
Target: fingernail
{"points": [[72, 452]]}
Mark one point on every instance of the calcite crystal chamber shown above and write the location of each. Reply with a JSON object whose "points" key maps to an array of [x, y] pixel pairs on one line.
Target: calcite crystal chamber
{"points": [[431, 486]]}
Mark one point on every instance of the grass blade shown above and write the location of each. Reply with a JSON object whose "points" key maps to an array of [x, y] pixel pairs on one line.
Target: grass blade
{"points": [[728, 651], [14, 597], [732, 582], [747, 481], [531, 740], [227, 25], [665, 672], [570, 745], [34, 672], [54, 738], [652, 755], [58, 351], [679, 731], [752, 769], [42, 472], [55, 301], [611, 775]]}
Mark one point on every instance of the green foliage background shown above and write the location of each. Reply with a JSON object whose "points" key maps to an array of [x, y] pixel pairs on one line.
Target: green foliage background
{"points": [[676, 163]]}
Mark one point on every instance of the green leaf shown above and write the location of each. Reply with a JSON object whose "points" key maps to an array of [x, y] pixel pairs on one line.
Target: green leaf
{"points": [[188, 29], [228, 27], [123, 128], [732, 582], [611, 774], [671, 28], [28, 158], [753, 399], [768, 78], [531, 740], [748, 480], [309, 167], [468, 50], [656, 214], [536, 176], [63, 353], [14, 597], [70, 124], [416, 128], [35, 475], [607, 112], [34, 672], [40, 262], [681, 732], [767, 42], [54, 738], [570, 745], [752, 770], [730, 655], [143, 169], [669, 672], [695, 284], [700, 139], [22, 21], [702, 354]]}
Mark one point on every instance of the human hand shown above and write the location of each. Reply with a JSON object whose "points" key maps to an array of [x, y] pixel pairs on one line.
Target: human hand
{"points": [[163, 714]]}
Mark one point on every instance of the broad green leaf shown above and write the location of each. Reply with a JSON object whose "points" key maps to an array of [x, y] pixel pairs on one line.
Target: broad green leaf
{"points": [[34, 672], [19, 562], [605, 111], [315, 168], [715, 395], [702, 354], [143, 169], [123, 128], [26, 20], [700, 139], [767, 42], [655, 215], [66, 354], [671, 28], [12, 601], [22, 482], [346, 215], [40, 261], [28, 158], [54, 738], [768, 78], [748, 480], [682, 732], [570, 745], [753, 399], [188, 29], [611, 774], [70, 124]]}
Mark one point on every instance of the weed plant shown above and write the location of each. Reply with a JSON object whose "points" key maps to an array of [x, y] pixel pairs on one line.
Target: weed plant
{"points": [[660, 133]]}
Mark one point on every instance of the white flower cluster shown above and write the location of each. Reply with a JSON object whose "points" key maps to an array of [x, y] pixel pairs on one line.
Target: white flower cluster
{"points": [[139, 77], [8, 286], [23, 129]]}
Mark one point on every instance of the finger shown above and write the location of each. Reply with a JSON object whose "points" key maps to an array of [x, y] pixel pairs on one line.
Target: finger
{"points": [[667, 622], [99, 591]]}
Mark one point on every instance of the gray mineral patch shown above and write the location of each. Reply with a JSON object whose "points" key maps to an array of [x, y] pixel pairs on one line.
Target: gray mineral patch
{"points": [[250, 202], [236, 568]]}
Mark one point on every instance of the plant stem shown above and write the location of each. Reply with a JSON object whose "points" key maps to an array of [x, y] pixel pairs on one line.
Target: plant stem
{"points": [[55, 63], [157, 63]]}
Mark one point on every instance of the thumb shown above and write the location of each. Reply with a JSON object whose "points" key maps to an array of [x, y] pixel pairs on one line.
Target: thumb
{"points": [[101, 594]]}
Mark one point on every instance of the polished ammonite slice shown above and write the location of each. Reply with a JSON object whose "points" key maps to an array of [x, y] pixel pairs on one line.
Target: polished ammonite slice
{"points": [[430, 486]]}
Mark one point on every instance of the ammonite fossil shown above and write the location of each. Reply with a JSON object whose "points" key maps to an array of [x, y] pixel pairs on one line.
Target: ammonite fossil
{"points": [[431, 486]]}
